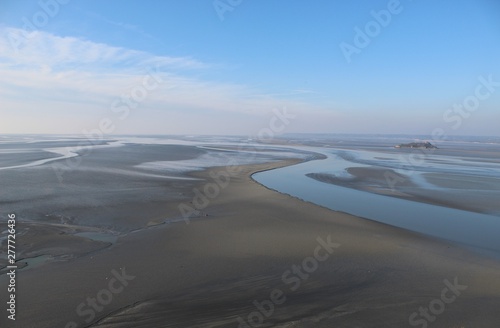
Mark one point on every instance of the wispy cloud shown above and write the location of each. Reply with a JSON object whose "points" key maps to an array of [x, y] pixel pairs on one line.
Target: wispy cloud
{"points": [[69, 72], [44, 48], [125, 26]]}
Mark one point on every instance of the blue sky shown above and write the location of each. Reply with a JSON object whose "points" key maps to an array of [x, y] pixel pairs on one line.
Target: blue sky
{"points": [[65, 65]]}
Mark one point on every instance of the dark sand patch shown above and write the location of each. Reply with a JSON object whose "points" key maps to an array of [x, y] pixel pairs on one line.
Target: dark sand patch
{"points": [[463, 182]]}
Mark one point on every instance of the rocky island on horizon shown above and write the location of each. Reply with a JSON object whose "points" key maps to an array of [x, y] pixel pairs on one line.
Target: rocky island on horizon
{"points": [[426, 145]]}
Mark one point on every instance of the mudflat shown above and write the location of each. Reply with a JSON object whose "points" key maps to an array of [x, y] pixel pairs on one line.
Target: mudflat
{"points": [[257, 258]]}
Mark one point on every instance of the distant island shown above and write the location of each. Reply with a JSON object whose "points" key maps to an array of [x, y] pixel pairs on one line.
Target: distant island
{"points": [[426, 145]]}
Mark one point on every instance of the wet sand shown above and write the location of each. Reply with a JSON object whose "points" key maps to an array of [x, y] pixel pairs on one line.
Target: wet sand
{"points": [[241, 252]]}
